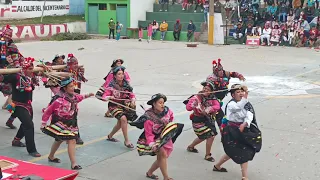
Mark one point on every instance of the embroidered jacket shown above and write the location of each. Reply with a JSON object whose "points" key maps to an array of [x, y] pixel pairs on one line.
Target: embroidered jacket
{"points": [[200, 103], [119, 92]]}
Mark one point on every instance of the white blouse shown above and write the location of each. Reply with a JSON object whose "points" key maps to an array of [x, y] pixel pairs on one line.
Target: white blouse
{"points": [[237, 113]]}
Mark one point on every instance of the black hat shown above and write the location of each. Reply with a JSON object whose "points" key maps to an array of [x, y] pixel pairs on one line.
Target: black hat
{"points": [[116, 69], [57, 56], [156, 97], [115, 62]]}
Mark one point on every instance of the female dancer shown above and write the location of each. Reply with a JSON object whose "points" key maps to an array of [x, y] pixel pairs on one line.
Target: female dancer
{"points": [[78, 76], [159, 134], [241, 137], [64, 110], [122, 104], [204, 106], [22, 90], [109, 78]]}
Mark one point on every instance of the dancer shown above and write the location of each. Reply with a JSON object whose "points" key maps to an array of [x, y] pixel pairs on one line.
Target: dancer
{"points": [[78, 76], [64, 110], [109, 78], [159, 134], [241, 137], [22, 90], [221, 80], [122, 104], [204, 106]]}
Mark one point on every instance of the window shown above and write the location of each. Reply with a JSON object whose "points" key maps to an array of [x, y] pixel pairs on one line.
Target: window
{"points": [[102, 6], [113, 7]]}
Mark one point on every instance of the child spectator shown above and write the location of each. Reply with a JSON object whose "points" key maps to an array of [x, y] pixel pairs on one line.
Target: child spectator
{"points": [[141, 33], [238, 34], [291, 34], [275, 35], [150, 32], [284, 39], [257, 30]]}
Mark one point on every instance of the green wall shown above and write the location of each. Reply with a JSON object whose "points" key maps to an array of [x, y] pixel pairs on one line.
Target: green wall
{"points": [[105, 15]]}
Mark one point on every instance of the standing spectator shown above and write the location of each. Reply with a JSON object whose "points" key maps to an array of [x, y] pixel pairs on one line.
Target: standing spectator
{"points": [[176, 30], [191, 29], [206, 10], [112, 26], [140, 33], [228, 8], [199, 3], [266, 32], [155, 27], [118, 29], [217, 6], [150, 32], [163, 3], [163, 29], [238, 34], [283, 11], [291, 34]]}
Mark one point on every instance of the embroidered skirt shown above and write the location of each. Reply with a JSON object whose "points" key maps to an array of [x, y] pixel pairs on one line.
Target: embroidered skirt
{"points": [[119, 111], [203, 127], [166, 139], [62, 130], [241, 147]]}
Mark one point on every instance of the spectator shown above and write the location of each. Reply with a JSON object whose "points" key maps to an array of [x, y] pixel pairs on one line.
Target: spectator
{"points": [[290, 18], [176, 30], [313, 35], [163, 29], [283, 11], [187, 3], [206, 10], [306, 27], [301, 38], [118, 29], [217, 6], [141, 33], [257, 30], [272, 10], [191, 29], [310, 6], [112, 26], [228, 8], [296, 4], [155, 27], [238, 34], [275, 35], [199, 3], [249, 30], [284, 37], [150, 32], [291, 34], [266, 32], [163, 3]]}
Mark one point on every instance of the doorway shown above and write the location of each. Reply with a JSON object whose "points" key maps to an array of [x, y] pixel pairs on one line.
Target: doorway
{"points": [[122, 18], [93, 22]]}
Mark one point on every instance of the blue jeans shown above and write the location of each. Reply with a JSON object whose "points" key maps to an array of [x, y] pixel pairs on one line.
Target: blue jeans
{"points": [[284, 17], [154, 31], [118, 36], [205, 14], [163, 34]]}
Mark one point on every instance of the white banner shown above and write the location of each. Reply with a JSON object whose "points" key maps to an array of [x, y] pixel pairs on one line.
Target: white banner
{"points": [[31, 9]]}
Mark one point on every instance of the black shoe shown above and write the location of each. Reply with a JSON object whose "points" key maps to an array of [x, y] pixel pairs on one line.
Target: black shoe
{"points": [[10, 125], [79, 141], [16, 143]]}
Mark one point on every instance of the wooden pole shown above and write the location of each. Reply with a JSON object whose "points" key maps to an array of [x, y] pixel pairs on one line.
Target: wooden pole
{"points": [[36, 69], [44, 4], [211, 23]]}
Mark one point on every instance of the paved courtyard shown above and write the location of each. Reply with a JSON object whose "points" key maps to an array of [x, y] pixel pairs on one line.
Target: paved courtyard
{"points": [[284, 89]]}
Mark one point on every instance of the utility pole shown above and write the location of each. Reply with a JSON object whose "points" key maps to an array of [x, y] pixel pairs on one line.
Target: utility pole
{"points": [[211, 22], [44, 4]]}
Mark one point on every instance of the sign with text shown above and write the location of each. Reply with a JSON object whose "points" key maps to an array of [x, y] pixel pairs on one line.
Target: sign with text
{"points": [[31, 9], [253, 40], [37, 31]]}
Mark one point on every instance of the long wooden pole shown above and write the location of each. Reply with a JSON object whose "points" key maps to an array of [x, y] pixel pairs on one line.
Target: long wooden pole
{"points": [[211, 23], [36, 69]]}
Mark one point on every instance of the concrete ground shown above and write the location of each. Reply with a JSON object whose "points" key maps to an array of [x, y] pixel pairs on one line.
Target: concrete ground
{"points": [[284, 90]]}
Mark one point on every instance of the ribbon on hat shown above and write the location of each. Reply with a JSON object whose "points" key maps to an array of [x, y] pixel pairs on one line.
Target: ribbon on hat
{"points": [[70, 56], [28, 62], [217, 65]]}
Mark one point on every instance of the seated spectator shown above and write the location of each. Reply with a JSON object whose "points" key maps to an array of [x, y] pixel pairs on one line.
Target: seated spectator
{"points": [[310, 7], [296, 4], [249, 30], [191, 29], [238, 34], [177, 30], [199, 3], [272, 10], [306, 27], [290, 18], [255, 6], [163, 4], [275, 35], [266, 32], [163, 29], [257, 30], [291, 34], [300, 38], [284, 37], [155, 27], [283, 11], [313, 36], [187, 3]]}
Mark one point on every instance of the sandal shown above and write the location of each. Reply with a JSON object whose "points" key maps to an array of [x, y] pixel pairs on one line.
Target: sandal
{"points": [[192, 149], [76, 167], [130, 146], [208, 157], [112, 139], [219, 170], [55, 160], [152, 176]]}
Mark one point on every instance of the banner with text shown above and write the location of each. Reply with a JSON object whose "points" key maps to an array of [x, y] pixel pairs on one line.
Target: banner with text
{"points": [[31, 9]]}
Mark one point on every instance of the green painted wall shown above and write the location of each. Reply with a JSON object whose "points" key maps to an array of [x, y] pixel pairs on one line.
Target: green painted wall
{"points": [[105, 15]]}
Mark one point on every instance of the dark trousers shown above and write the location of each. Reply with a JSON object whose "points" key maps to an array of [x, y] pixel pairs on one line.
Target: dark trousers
{"points": [[199, 4], [26, 128], [190, 34], [176, 35], [111, 31]]}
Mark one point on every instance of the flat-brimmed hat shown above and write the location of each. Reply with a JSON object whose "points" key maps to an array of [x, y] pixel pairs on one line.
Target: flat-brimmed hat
{"points": [[115, 62], [57, 56], [119, 68], [208, 83], [64, 82], [156, 97], [236, 87]]}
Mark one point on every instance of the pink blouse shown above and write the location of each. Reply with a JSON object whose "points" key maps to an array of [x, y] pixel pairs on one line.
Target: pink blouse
{"points": [[110, 91], [110, 78], [62, 108], [195, 105]]}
